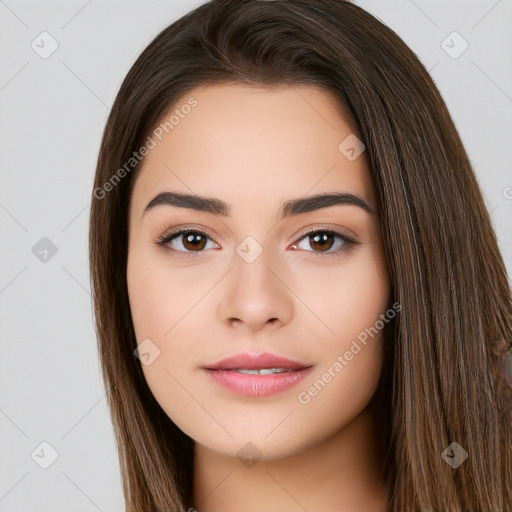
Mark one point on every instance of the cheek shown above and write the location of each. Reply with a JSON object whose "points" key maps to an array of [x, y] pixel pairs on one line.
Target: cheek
{"points": [[165, 304], [345, 299], [349, 302], [159, 295], [146, 298], [159, 303]]}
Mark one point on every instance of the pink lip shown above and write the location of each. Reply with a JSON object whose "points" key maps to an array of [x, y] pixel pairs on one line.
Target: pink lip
{"points": [[223, 374], [256, 362]]}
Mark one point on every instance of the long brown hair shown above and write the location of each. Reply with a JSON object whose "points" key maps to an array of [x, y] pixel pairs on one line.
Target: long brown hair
{"points": [[445, 268]]}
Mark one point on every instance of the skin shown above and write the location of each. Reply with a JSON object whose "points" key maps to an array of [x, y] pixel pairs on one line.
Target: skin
{"points": [[255, 148]]}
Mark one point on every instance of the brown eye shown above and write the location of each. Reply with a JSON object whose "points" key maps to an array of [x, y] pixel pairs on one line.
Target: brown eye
{"points": [[192, 241], [322, 241]]}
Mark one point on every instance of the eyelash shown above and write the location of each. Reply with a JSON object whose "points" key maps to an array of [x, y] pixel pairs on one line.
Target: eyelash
{"points": [[165, 239]]}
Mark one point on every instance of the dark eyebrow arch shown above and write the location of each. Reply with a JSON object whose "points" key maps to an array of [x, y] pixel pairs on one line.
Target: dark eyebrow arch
{"points": [[290, 207]]}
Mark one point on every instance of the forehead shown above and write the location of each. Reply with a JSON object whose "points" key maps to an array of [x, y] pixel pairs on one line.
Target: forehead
{"points": [[246, 142]]}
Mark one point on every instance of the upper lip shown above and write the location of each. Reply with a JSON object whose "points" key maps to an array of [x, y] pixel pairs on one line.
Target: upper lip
{"points": [[250, 361]]}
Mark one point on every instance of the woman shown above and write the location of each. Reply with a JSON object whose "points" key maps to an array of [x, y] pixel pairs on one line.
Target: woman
{"points": [[299, 296]]}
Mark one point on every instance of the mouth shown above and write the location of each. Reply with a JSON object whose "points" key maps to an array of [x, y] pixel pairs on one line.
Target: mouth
{"points": [[260, 362], [260, 371], [257, 375]]}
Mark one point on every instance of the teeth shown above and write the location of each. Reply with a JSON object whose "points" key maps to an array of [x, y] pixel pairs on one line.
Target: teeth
{"points": [[263, 371]]}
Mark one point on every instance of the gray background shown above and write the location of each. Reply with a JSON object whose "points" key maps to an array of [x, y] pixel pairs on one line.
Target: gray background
{"points": [[53, 111]]}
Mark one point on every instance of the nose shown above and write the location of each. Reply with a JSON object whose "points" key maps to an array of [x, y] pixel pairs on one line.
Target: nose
{"points": [[255, 295]]}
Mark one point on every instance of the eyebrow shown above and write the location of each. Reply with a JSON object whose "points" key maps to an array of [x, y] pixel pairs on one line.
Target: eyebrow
{"points": [[288, 208]]}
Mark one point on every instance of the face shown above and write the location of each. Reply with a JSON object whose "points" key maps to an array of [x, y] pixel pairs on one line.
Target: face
{"points": [[254, 272]]}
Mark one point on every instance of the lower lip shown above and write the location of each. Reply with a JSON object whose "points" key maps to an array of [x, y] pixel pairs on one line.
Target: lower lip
{"points": [[257, 385]]}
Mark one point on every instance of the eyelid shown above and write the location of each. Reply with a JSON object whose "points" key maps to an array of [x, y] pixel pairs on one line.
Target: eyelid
{"points": [[348, 241], [327, 229], [184, 228], [175, 232]]}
